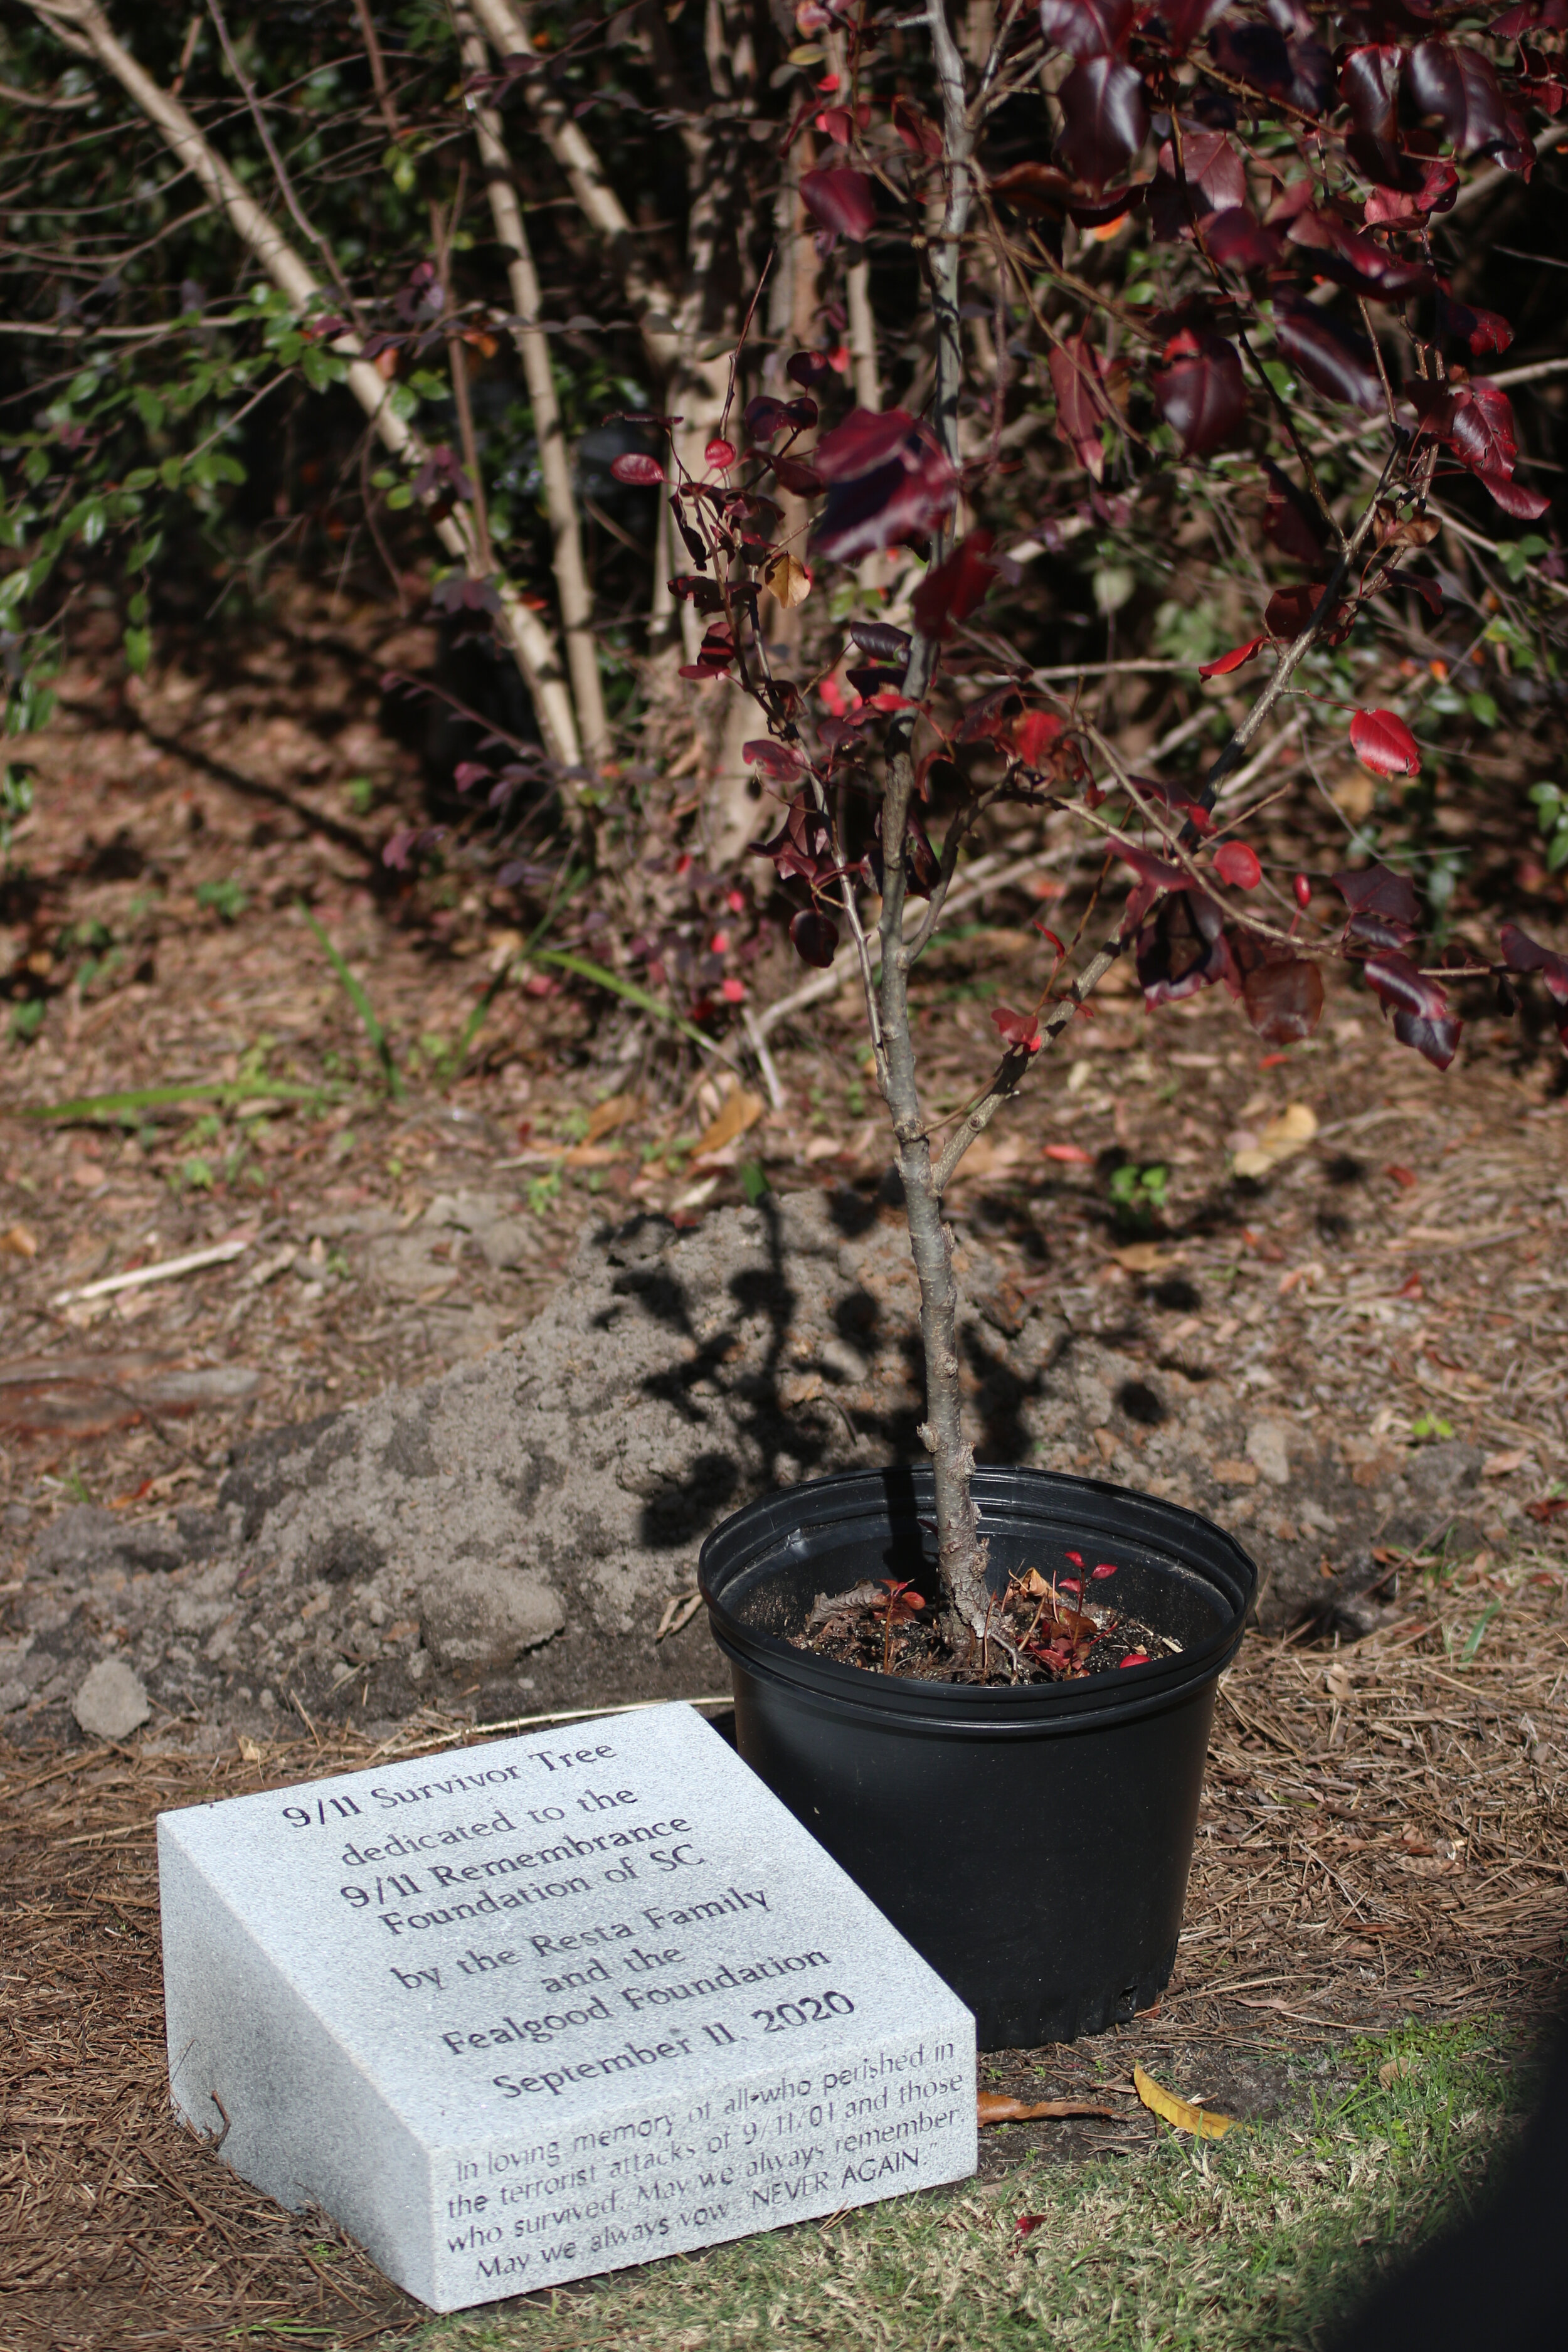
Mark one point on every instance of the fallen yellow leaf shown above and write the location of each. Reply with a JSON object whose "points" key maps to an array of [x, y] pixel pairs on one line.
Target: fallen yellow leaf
{"points": [[1176, 2112], [591, 1155], [250, 1750], [613, 1112], [737, 1112], [1145, 1257], [790, 581], [1282, 1138], [17, 1241]]}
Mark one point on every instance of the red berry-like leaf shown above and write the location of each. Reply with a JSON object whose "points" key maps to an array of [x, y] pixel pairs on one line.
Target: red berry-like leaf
{"points": [[844, 202], [1284, 1001], [953, 590], [1201, 393], [814, 936], [720, 453], [634, 466], [1382, 742], [1239, 655], [1302, 887], [1238, 865], [1105, 120], [1020, 1030]]}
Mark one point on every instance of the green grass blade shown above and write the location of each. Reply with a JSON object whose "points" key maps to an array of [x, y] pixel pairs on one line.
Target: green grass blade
{"points": [[362, 1005], [632, 993], [220, 1090]]}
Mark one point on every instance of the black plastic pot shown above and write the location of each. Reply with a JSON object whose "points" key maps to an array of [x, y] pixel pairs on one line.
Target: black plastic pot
{"points": [[1032, 1842]]}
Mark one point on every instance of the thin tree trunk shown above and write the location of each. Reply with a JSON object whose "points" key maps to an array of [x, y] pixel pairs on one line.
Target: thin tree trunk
{"points": [[82, 21], [961, 1553], [534, 350]]}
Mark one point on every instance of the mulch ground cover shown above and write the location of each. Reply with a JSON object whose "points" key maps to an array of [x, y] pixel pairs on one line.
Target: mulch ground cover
{"points": [[1383, 1837]]}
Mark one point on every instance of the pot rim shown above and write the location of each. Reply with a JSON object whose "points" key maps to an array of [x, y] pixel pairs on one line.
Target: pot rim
{"points": [[1176, 1536]]}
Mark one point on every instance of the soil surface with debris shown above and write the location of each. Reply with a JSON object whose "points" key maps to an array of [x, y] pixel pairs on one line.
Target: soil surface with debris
{"points": [[489, 1354]]}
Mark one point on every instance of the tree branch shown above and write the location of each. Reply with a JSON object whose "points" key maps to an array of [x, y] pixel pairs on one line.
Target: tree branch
{"points": [[554, 466], [83, 22]]}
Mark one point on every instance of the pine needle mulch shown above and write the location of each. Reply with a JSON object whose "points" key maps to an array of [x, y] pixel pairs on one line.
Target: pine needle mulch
{"points": [[1384, 1835]]}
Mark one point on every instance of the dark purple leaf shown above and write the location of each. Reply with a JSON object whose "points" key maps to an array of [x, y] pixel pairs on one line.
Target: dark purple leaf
{"points": [[1437, 1035], [1201, 393], [1236, 241], [1256, 54], [809, 367], [888, 481], [1400, 987], [1105, 120], [1524, 505], [765, 417], [842, 200], [469, 773], [1292, 521], [816, 938], [1183, 950], [781, 760], [1429, 590], [1368, 84], [794, 474], [1150, 869], [881, 640], [1521, 953], [1334, 359], [1311, 74], [1087, 28], [1457, 86], [1378, 891], [1284, 1001]]}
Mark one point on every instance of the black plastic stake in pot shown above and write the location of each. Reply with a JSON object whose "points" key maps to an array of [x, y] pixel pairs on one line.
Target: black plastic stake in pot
{"points": [[1033, 1841]]}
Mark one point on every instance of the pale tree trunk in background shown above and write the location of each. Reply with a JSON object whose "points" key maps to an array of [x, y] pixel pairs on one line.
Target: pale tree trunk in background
{"points": [[554, 464], [83, 26]]}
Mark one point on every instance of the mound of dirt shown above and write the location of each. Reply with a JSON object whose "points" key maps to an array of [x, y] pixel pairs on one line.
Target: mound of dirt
{"points": [[507, 1537]]}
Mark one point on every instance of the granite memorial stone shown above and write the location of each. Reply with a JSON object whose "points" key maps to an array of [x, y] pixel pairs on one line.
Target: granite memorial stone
{"points": [[541, 2008]]}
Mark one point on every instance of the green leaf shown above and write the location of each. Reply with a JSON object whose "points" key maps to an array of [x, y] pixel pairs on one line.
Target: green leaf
{"points": [[141, 477], [1482, 708], [149, 407], [356, 995], [36, 467], [169, 473], [1557, 852], [403, 401], [113, 1107], [627, 990], [401, 497], [138, 650]]}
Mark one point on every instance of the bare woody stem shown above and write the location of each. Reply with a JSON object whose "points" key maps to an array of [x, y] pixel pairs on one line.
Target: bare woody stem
{"points": [[554, 466]]}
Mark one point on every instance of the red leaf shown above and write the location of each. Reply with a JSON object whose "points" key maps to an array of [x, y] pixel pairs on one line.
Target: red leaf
{"points": [[1400, 986], [1034, 733], [1136, 1658], [1106, 1567], [816, 938], [1376, 893], [780, 760], [1203, 396], [1238, 865], [1087, 28], [842, 200], [1284, 1001], [701, 672], [719, 453], [1071, 1155], [1524, 505], [808, 369], [1150, 869], [1237, 655], [918, 131], [794, 474], [1105, 118], [634, 466], [1382, 742], [1029, 2221], [950, 592], [1021, 1030], [1034, 188], [1081, 400]]}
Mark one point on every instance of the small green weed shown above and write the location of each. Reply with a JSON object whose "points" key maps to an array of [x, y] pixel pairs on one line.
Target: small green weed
{"points": [[1431, 1424], [228, 899], [1138, 1196], [26, 1020]]}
